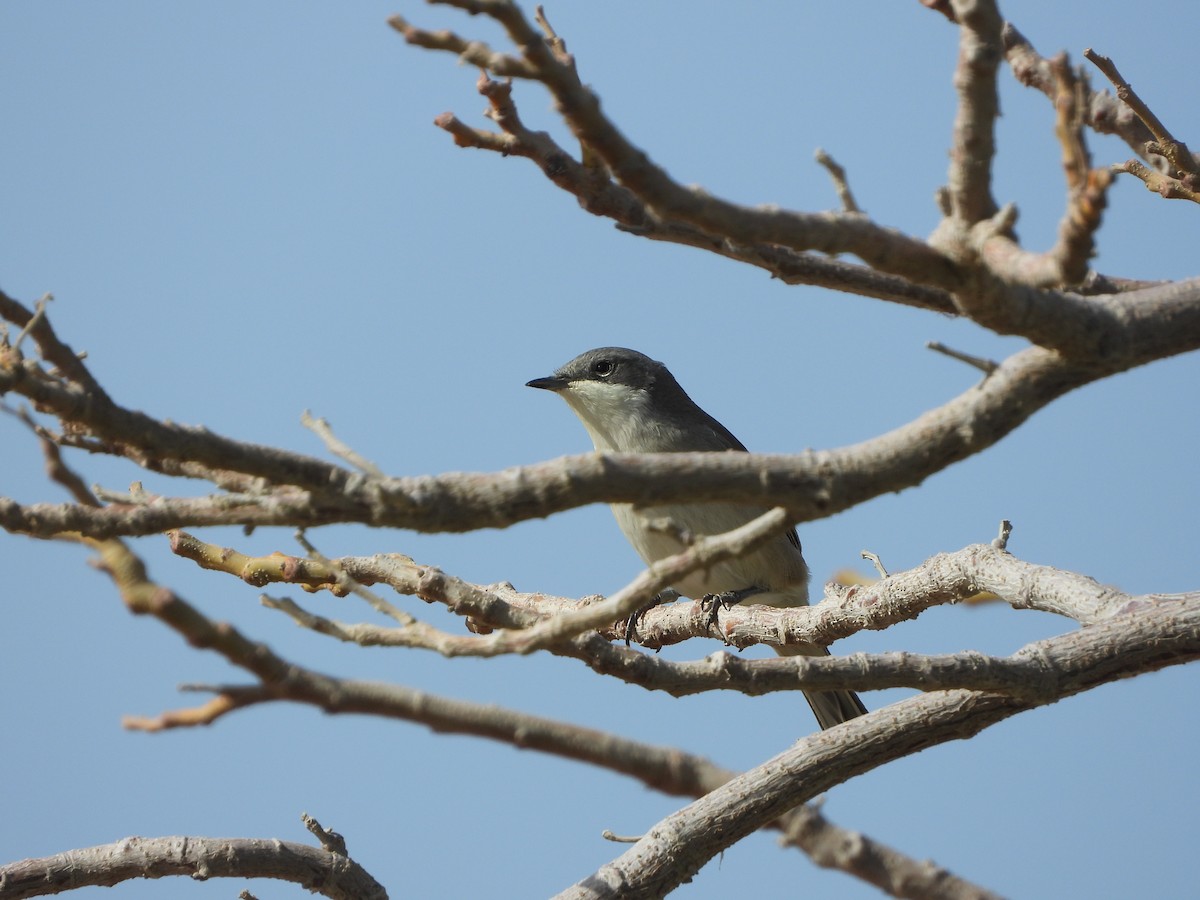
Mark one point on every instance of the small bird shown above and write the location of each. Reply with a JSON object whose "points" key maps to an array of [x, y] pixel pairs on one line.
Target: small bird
{"points": [[630, 403]]}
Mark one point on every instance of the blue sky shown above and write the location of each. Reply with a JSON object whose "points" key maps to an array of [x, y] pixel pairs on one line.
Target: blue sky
{"points": [[244, 211]]}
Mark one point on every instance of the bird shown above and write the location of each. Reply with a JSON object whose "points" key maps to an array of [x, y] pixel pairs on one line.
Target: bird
{"points": [[630, 403]]}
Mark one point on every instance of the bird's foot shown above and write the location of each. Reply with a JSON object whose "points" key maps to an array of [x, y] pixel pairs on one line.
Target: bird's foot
{"points": [[634, 620], [711, 603]]}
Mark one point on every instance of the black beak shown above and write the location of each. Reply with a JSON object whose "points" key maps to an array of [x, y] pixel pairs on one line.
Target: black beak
{"points": [[551, 383]]}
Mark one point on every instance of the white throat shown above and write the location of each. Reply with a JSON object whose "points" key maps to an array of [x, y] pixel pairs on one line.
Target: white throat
{"points": [[615, 415]]}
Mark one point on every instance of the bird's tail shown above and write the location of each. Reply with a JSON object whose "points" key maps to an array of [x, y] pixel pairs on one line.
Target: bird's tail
{"points": [[830, 707]]}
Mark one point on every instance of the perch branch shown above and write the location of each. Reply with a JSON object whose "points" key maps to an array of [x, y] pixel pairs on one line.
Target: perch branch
{"points": [[676, 848], [947, 578], [1123, 331]]}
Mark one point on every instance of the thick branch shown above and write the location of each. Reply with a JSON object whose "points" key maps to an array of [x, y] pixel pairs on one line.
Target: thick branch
{"points": [[316, 869], [973, 146], [1142, 325], [1087, 329], [889, 870]]}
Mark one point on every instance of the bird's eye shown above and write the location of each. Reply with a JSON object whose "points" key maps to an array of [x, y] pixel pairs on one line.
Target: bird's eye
{"points": [[602, 368]]}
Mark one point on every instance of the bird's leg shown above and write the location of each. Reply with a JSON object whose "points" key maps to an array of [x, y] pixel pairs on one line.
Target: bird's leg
{"points": [[710, 603], [634, 620]]}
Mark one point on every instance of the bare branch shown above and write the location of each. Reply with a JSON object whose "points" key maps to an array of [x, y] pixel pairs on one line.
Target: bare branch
{"points": [[662, 768], [973, 146], [1075, 325], [678, 846], [330, 840], [946, 578], [403, 501], [1164, 185], [986, 366], [706, 551], [1109, 334], [889, 870], [886, 249], [1149, 636], [1067, 262], [597, 193], [1054, 320], [1102, 112], [50, 346], [322, 429], [949, 578], [542, 632], [1174, 151], [874, 559], [840, 184], [1000, 541], [318, 870], [345, 582]]}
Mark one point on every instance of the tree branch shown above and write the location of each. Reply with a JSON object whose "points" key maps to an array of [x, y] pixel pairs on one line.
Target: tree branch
{"points": [[885, 249], [1087, 195], [948, 263], [973, 146], [1120, 331], [1148, 636], [1102, 112], [317, 869], [1164, 144], [947, 578], [597, 193], [677, 847], [889, 870]]}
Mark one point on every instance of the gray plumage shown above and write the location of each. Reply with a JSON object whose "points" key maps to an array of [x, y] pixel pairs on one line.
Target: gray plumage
{"points": [[629, 403]]}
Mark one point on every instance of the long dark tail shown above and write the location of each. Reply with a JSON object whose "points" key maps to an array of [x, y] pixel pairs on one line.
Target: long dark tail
{"points": [[830, 707]]}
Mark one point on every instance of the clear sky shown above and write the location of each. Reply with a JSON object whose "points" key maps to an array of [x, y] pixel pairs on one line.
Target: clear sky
{"points": [[244, 211]]}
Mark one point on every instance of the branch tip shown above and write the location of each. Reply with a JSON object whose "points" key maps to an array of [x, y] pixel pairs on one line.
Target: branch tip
{"points": [[1000, 542], [987, 366], [838, 175], [876, 562]]}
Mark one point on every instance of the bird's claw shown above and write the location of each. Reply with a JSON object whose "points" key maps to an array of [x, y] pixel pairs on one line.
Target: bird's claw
{"points": [[711, 603], [635, 619]]}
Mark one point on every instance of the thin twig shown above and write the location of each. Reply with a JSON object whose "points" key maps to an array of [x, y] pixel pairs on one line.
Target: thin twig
{"points": [[1165, 186], [347, 583], [322, 429], [1000, 542], [838, 175], [876, 562], [987, 366], [1175, 151]]}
